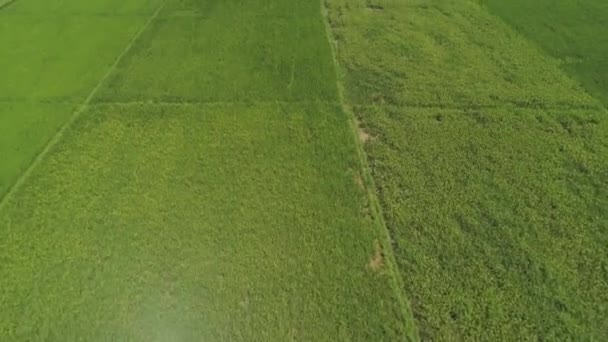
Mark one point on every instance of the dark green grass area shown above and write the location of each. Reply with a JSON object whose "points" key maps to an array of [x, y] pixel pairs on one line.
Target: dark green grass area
{"points": [[491, 167], [572, 31], [70, 8], [188, 222], [64, 59], [263, 54], [237, 8]]}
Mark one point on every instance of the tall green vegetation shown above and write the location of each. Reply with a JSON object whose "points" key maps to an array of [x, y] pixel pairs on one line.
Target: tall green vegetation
{"points": [[490, 163], [209, 190]]}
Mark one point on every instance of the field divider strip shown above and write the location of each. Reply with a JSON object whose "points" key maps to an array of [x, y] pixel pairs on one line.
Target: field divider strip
{"points": [[211, 103], [504, 105], [76, 114], [6, 3], [370, 187]]}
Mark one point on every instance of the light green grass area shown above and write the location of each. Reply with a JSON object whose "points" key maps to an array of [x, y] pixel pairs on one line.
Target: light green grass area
{"points": [[160, 222], [211, 189], [572, 31], [490, 165], [59, 57]]}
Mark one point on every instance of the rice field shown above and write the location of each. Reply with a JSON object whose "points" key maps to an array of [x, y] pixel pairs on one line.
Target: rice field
{"points": [[336, 170], [204, 182], [490, 163]]}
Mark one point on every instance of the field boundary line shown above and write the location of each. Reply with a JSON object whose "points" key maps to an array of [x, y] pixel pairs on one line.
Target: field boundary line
{"points": [[211, 103], [6, 3], [463, 107], [411, 329], [76, 114]]}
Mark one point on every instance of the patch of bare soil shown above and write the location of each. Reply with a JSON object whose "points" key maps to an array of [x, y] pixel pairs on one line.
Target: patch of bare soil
{"points": [[363, 135], [377, 261], [359, 181]]}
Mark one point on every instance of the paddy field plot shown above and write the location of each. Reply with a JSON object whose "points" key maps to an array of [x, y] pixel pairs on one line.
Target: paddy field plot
{"points": [[53, 54], [573, 32], [208, 187], [193, 169], [490, 159]]}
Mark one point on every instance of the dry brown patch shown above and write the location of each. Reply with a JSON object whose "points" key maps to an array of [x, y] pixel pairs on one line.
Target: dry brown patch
{"points": [[359, 181], [363, 135], [377, 261]]}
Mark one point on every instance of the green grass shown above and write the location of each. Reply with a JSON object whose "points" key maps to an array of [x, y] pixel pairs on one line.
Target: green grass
{"points": [[55, 61], [490, 164], [275, 69], [64, 9], [444, 54], [211, 185], [189, 222], [211, 189], [4, 3], [571, 31], [70, 55], [25, 128]]}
